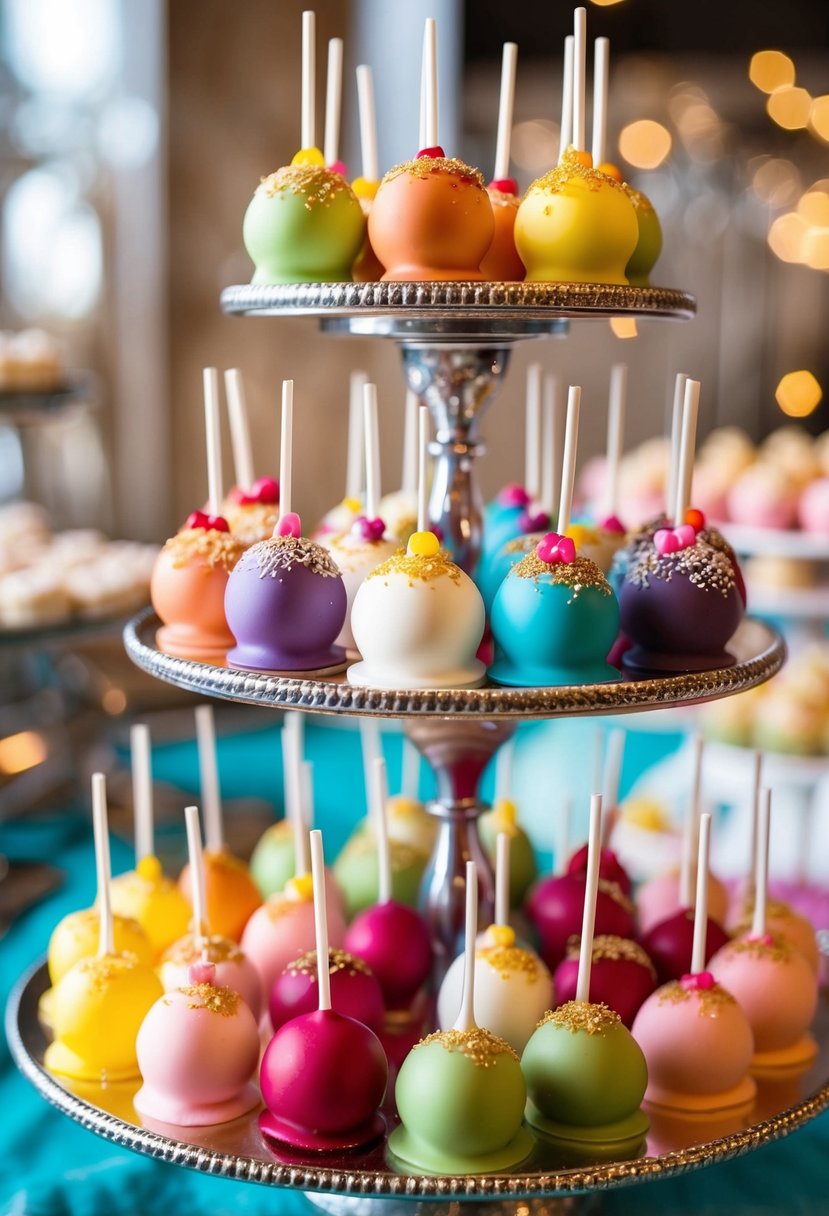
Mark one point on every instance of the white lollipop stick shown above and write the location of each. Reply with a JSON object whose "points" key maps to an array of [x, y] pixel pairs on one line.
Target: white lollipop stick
{"points": [[422, 455], [308, 132], [532, 431], [466, 1017], [197, 886], [430, 83], [372, 750], [601, 73], [757, 779], [613, 771], [355, 450], [550, 453], [372, 438], [320, 920], [685, 471], [568, 471], [285, 448], [761, 874], [408, 480], [237, 413], [379, 798], [142, 790], [615, 434], [368, 123], [333, 101], [503, 771], [100, 829], [676, 440], [209, 777], [210, 378], [591, 889], [579, 75], [690, 828], [292, 784], [502, 844], [410, 775], [561, 844], [307, 787], [421, 130], [598, 758], [566, 98], [505, 108], [701, 906]]}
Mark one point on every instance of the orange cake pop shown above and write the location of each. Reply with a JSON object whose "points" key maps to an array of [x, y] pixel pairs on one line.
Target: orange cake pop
{"points": [[502, 261]]}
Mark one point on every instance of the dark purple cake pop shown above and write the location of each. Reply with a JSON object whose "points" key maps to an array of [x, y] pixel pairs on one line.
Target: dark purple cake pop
{"points": [[355, 991], [555, 905], [621, 977], [670, 944]]}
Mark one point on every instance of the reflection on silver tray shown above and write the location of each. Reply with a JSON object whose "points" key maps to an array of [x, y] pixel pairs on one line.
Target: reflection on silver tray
{"points": [[758, 649], [236, 1150]]}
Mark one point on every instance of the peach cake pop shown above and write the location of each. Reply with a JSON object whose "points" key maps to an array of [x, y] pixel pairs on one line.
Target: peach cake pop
{"points": [[99, 1004], [304, 222], [188, 582], [585, 1073], [323, 1075], [513, 987], [460, 1093], [287, 603], [696, 1038], [501, 261], [252, 506]]}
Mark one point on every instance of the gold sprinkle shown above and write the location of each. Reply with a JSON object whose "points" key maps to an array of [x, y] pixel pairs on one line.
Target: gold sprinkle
{"points": [[338, 960], [349, 551], [503, 198], [569, 169], [213, 949], [773, 948], [710, 1000], [640, 201], [104, 969], [577, 575], [403, 856], [317, 185], [480, 1046], [609, 946], [524, 543], [279, 554], [213, 998], [616, 893], [511, 960], [214, 548], [587, 1016], [252, 522], [413, 566], [424, 167], [708, 568]]}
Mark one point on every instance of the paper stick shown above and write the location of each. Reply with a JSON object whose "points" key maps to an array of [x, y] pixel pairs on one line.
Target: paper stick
{"points": [[209, 777], [676, 439], [379, 800], [368, 123], [466, 1017], [410, 774], [421, 130], [613, 770], [309, 118], [372, 438], [615, 434], [306, 777], [355, 450], [756, 783], [690, 828], [320, 921], [685, 469], [237, 413], [568, 471], [579, 75], [591, 888], [430, 82], [596, 778], [502, 844], [213, 435], [566, 98], [285, 446], [503, 771], [408, 480], [761, 874], [422, 455], [601, 73], [532, 432], [552, 443], [698, 949], [333, 102], [372, 750], [197, 885], [292, 783], [100, 829], [561, 844], [505, 108], [142, 790]]}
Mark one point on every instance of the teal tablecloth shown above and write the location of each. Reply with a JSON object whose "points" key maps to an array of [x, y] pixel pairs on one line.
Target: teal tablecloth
{"points": [[49, 1166]]}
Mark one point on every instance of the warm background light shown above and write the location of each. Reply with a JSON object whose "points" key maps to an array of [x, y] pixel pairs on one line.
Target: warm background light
{"points": [[623, 327], [21, 752], [787, 237], [814, 207], [535, 144], [790, 108], [819, 117], [644, 144], [776, 182], [798, 394], [770, 70], [605, 3]]}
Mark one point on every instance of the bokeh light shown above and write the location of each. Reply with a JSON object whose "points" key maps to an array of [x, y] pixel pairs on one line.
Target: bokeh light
{"points": [[787, 236], [790, 108], [624, 327], [798, 394], [535, 144], [819, 117], [645, 143], [770, 70], [776, 182]]}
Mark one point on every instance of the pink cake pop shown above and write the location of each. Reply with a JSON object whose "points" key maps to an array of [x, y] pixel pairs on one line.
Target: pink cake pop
{"points": [[696, 1039], [355, 990], [391, 937], [323, 1075], [622, 976]]}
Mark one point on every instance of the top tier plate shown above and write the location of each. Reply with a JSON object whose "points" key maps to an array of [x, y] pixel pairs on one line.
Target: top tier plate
{"points": [[455, 312]]}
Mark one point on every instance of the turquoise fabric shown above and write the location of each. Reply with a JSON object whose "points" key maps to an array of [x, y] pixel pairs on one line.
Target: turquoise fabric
{"points": [[49, 1166]]}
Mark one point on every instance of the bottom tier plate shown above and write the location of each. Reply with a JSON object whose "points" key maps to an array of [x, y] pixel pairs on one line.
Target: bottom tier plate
{"points": [[236, 1149]]}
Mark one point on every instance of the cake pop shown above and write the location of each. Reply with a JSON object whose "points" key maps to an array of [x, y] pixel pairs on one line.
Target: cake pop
{"points": [[513, 988], [431, 218], [585, 1073], [696, 1039], [323, 1075], [188, 582], [460, 1093], [774, 984], [145, 894], [304, 222], [399, 509], [390, 936], [252, 507], [272, 860], [367, 268], [350, 507], [418, 619], [232, 895], [101, 1001], [286, 603], [503, 817], [501, 261], [622, 976], [355, 990]]}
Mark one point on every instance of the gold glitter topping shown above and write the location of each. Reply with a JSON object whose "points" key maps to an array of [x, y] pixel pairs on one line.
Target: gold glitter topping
{"points": [[638, 199], [616, 893], [280, 554], [577, 575], [502, 198], [569, 169], [252, 522], [511, 960], [212, 547], [213, 998], [609, 946], [424, 167], [318, 186], [104, 969], [413, 566], [402, 855], [523, 544], [480, 1046], [338, 960], [708, 568], [771, 947], [214, 949], [587, 1016], [710, 1001], [349, 551], [776, 909]]}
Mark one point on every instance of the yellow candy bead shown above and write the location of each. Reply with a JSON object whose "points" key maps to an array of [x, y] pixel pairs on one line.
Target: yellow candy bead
{"points": [[581, 157], [500, 935], [353, 505], [308, 156], [610, 170], [581, 535], [423, 544], [149, 868], [364, 188], [505, 816], [645, 813], [300, 888]]}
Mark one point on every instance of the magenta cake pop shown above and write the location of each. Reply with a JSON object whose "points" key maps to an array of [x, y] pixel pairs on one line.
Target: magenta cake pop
{"points": [[323, 1075], [355, 990], [669, 943], [555, 906], [622, 976]]}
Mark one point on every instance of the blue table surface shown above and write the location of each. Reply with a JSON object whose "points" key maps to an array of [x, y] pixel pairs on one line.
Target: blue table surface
{"points": [[51, 1166]]}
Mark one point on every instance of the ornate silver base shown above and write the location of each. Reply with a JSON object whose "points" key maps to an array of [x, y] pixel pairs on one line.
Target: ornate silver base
{"points": [[358, 1205]]}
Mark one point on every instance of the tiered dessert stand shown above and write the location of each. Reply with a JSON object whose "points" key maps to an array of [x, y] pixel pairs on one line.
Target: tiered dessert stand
{"points": [[455, 340]]}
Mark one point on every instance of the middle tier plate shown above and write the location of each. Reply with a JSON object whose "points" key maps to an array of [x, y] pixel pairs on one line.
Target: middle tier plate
{"points": [[759, 651]]}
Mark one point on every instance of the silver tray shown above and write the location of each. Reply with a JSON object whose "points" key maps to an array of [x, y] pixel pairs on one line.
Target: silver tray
{"points": [[759, 651], [236, 1149]]}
